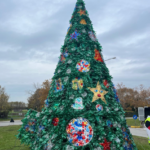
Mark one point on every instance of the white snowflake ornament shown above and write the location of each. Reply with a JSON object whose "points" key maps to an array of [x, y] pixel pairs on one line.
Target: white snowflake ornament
{"points": [[73, 49], [83, 31], [71, 97], [84, 94], [117, 140], [38, 114], [98, 148], [69, 147], [68, 71], [69, 61], [59, 71], [66, 79]]}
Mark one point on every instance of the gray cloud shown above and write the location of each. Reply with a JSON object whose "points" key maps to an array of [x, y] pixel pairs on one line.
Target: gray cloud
{"points": [[32, 32]]}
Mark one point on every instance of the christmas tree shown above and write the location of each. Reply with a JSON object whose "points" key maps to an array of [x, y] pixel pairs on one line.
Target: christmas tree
{"points": [[82, 110]]}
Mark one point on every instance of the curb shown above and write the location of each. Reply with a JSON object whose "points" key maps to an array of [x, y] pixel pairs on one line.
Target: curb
{"points": [[135, 127]]}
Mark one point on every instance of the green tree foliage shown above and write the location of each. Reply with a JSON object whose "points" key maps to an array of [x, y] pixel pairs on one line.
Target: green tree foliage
{"points": [[82, 110]]}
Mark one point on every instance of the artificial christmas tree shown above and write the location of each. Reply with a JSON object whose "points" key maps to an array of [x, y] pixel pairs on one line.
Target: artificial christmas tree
{"points": [[82, 110]]}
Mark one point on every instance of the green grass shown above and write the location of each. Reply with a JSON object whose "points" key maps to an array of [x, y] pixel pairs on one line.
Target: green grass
{"points": [[132, 122], [141, 143], [24, 111], [8, 140]]}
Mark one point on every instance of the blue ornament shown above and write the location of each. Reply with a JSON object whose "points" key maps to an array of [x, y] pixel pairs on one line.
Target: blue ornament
{"points": [[74, 35]]}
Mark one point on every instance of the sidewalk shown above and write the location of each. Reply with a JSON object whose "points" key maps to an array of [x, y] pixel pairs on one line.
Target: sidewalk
{"points": [[134, 131], [8, 123]]}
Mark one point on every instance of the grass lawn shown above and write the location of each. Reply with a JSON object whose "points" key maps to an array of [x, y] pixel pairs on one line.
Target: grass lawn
{"points": [[131, 122], [8, 140], [141, 143]]}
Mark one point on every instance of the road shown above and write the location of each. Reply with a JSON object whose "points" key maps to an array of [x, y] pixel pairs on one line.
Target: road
{"points": [[134, 131]]}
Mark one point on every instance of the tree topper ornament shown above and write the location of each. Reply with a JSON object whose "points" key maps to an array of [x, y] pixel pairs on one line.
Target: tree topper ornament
{"points": [[98, 93]]}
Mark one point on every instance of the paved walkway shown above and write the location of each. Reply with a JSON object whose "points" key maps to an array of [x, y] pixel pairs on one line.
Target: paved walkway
{"points": [[134, 131], [8, 123]]}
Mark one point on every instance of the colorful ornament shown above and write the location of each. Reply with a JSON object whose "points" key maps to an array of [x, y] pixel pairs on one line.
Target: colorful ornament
{"points": [[116, 94], [105, 82], [55, 121], [98, 56], [79, 132], [49, 145], [78, 103], [81, 12], [74, 35], [98, 93], [77, 84], [64, 56], [127, 142], [92, 36], [99, 107], [83, 22], [30, 127], [58, 86], [109, 123], [83, 66], [46, 103], [106, 145]]}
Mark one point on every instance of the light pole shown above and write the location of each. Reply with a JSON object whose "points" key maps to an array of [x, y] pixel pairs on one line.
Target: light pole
{"points": [[110, 58]]}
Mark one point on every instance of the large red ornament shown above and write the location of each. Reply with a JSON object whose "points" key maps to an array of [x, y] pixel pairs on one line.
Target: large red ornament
{"points": [[106, 145], [55, 121], [98, 56], [105, 82]]}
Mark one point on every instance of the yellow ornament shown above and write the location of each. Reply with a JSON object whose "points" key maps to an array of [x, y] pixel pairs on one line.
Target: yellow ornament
{"points": [[77, 84], [83, 22], [81, 12], [98, 93]]}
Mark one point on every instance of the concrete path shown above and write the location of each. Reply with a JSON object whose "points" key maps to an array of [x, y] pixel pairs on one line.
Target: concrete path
{"points": [[134, 131], [139, 132], [8, 123]]}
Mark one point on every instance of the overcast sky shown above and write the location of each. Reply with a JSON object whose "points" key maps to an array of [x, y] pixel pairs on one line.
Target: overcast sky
{"points": [[32, 32]]}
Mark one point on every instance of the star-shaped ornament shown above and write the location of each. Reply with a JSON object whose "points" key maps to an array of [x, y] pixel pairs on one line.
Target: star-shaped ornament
{"points": [[106, 144], [81, 12], [98, 93]]}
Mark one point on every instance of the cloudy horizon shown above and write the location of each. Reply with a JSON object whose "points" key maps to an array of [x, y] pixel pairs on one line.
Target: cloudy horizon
{"points": [[33, 31]]}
